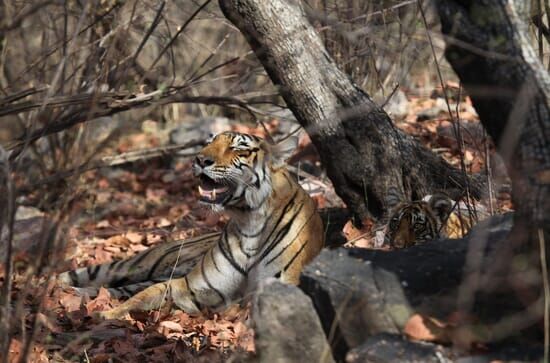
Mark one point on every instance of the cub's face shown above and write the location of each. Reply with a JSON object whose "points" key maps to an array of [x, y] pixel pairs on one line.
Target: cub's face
{"points": [[234, 171], [418, 221], [412, 223]]}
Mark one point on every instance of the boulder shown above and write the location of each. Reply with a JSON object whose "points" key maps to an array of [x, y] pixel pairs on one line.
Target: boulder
{"points": [[388, 348], [359, 293], [398, 105], [354, 300], [286, 326]]}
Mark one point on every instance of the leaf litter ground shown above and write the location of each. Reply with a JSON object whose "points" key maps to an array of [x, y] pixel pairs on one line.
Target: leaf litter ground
{"points": [[127, 210]]}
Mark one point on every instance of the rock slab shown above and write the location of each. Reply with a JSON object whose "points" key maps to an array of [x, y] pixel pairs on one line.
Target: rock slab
{"points": [[286, 325]]}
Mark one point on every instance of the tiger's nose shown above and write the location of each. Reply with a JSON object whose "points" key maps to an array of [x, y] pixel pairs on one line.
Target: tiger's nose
{"points": [[203, 161]]}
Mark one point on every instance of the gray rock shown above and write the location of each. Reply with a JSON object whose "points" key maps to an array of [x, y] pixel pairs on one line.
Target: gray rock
{"points": [[433, 112], [287, 328], [354, 300], [198, 129], [387, 348], [359, 293], [471, 132], [24, 212], [398, 105], [428, 114], [30, 232], [508, 352]]}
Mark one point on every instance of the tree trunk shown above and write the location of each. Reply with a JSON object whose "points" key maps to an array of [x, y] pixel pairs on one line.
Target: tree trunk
{"points": [[364, 153], [489, 49], [510, 90]]}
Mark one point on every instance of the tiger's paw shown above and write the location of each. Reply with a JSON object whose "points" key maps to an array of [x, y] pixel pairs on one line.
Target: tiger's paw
{"points": [[99, 316]]}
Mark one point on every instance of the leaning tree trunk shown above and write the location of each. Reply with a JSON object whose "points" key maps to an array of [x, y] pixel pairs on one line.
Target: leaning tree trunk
{"points": [[363, 152], [489, 49]]}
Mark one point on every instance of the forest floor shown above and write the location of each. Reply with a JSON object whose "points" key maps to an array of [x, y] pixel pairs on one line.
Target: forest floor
{"points": [[127, 209]]}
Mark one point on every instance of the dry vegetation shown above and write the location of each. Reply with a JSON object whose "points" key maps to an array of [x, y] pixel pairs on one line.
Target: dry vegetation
{"points": [[84, 80]]}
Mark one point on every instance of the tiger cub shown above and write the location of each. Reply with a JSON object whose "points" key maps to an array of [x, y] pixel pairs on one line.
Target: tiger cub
{"points": [[436, 216], [274, 231]]}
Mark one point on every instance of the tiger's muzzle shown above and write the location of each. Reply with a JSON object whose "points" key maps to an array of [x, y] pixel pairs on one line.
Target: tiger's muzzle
{"points": [[211, 191]]}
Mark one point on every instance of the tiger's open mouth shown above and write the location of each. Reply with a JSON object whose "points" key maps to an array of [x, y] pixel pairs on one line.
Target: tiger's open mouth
{"points": [[212, 192]]}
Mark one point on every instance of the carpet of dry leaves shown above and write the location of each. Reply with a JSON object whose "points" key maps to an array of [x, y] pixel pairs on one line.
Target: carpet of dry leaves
{"points": [[127, 210]]}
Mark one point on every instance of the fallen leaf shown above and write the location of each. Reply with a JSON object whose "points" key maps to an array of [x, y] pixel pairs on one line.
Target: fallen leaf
{"points": [[359, 237], [101, 302], [124, 347], [134, 237], [419, 327], [103, 224], [155, 195], [71, 302], [171, 325]]}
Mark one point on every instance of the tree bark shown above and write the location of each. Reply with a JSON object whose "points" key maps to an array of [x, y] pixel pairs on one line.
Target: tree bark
{"points": [[490, 51], [489, 48], [364, 154]]}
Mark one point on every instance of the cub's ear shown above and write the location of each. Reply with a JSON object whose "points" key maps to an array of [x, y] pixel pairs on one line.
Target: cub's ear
{"points": [[280, 152], [393, 198], [441, 205]]}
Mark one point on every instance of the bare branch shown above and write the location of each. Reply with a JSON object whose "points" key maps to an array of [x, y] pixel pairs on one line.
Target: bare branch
{"points": [[7, 217], [106, 104], [10, 24], [111, 161]]}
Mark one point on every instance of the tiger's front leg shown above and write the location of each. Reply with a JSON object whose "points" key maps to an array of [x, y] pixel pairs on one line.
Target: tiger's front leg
{"points": [[214, 282]]}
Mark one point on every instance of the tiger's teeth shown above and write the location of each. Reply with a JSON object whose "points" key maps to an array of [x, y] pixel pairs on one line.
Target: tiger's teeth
{"points": [[214, 194]]}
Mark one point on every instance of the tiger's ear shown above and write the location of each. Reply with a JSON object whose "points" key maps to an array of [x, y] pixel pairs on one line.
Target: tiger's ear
{"points": [[441, 205], [280, 152]]}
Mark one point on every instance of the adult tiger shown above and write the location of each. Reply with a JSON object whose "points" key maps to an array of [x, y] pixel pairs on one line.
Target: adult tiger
{"points": [[436, 216], [274, 230]]}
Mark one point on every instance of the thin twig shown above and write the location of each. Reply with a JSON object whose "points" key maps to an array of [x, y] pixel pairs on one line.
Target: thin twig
{"points": [[172, 272], [547, 11], [107, 104], [390, 96], [55, 80], [546, 287], [489, 173], [455, 122], [207, 59], [10, 24], [175, 37], [149, 32], [58, 45], [7, 219], [540, 26], [112, 161]]}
